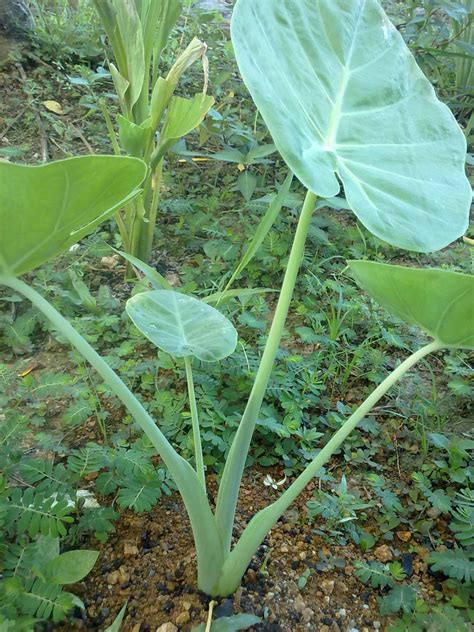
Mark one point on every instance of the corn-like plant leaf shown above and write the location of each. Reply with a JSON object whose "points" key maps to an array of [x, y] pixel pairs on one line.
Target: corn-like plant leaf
{"points": [[125, 33], [134, 138], [182, 117], [168, 14], [182, 326], [156, 279], [160, 97], [47, 208], [194, 51], [344, 100], [439, 301]]}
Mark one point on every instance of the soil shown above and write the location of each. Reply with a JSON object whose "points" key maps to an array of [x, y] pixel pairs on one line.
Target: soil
{"points": [[150, 562]]}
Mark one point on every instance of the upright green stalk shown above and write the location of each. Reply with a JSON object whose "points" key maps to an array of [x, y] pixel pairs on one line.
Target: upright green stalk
{"points": [[195, 421], [208, 545], [148, 235], [234, 467], [255, 532]]}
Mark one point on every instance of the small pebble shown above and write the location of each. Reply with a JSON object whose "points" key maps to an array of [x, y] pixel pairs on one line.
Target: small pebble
{"points": [[182, 618], [327, 586], [167, 627]]}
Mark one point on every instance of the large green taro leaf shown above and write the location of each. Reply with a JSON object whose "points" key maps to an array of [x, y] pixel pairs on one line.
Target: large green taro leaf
{"points": [[344, 99], [182, 326], [439, 301], [47, 208]]}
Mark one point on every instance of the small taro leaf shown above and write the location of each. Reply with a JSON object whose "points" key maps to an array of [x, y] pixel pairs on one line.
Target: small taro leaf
{"points": [[115, 627], [439, 301], [246, 184], [47, 208], [439, 440], [71, 567], [182, 326], [344, 99]]}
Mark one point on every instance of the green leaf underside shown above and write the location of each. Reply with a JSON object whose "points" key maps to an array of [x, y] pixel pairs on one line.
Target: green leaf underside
{"points": [[344, 99], [182, 326], [45, 209], [439, 301]]}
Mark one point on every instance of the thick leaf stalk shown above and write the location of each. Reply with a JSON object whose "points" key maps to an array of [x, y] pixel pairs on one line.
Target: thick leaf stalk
{"points": [[232, 475]]}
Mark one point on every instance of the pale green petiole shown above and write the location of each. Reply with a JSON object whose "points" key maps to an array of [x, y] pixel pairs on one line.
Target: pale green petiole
{"points": [[234, 467], [195, 422]]}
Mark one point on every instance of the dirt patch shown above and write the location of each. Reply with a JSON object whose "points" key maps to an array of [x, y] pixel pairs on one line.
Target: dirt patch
{"points": [[150, 561]]}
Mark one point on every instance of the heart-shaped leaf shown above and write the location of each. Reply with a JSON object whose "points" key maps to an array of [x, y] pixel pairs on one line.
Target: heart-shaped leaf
{"points": [[182, 326], [344, 100], [439, 301], [46, 209]]}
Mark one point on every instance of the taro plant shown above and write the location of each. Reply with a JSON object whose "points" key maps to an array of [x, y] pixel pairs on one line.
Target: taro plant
{"points": [[152, 119], [346, 102]]}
